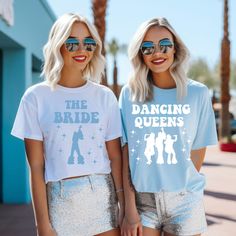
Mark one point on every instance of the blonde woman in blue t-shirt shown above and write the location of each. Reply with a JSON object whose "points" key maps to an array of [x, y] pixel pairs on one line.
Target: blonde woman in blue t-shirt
{"points": [[71, 127], [167, 123]]}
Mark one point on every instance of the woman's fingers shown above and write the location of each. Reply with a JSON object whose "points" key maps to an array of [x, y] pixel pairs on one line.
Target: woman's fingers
{"points": [[140, 230]]}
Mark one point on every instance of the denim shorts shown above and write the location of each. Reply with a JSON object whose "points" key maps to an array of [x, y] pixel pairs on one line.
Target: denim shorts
{"points": [[83, 206], [179, 213]]}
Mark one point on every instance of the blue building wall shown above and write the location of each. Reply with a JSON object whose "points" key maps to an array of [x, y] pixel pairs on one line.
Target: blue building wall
{"points": [[20, 60]]}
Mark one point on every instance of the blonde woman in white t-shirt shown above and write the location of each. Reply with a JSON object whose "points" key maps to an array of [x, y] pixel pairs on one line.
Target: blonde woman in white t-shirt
{"points": [[71, 127]]}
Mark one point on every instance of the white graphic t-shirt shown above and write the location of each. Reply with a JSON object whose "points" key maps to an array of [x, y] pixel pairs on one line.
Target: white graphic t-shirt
{"points": [[73, 123], [161, 133]]}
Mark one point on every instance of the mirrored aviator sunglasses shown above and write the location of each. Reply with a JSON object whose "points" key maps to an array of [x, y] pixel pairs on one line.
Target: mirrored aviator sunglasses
{"points": [[88, 44], [148, 47]]}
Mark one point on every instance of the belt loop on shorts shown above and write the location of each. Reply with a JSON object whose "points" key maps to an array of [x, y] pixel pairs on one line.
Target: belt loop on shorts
{"points": [[91, 182], [61, 187]]}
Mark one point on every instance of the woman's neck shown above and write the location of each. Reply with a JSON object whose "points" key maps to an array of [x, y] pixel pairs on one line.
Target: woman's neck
{"points": [[163, 80], [71, 79]]}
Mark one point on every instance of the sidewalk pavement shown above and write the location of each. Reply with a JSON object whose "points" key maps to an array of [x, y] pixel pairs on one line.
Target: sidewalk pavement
{"points": [[220, 200], [220, 192], [17, 220]]}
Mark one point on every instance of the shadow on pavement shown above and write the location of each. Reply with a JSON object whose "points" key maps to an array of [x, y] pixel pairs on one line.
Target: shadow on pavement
{"points": [[222, 217], [208, 164], [211, 222], [226, 196]]}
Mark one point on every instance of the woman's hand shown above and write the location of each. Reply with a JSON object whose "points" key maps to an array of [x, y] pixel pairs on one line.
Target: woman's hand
{"points": [[132, 225]]}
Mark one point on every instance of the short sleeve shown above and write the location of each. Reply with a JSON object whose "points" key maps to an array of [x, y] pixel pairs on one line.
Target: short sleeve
{"points": [[206, 130], [114, 123], [26, 124], [122, 113]]}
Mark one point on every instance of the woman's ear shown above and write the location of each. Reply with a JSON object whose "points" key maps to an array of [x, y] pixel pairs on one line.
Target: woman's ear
{"points": [[174, 50]]}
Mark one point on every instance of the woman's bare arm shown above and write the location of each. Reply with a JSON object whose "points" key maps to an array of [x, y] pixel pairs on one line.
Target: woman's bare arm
{"points": [[197, 157], [132, 224], [35, 156], [114, 153]]}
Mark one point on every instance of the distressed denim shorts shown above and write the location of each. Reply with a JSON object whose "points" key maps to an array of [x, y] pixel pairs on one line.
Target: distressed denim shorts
{"points": [[83, 206], [178, 213]]}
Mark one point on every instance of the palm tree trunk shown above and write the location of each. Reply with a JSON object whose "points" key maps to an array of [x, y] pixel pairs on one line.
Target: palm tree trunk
{"points": [[224, 128], [99, 13], [115, 84]]}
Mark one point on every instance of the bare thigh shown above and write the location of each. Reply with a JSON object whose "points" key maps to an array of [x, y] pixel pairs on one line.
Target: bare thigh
{"points": [[113, 232], [168, 234], [151, 232]]}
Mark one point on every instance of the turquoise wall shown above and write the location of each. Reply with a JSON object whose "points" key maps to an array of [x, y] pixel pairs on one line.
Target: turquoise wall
{"points": [[21, 46]]}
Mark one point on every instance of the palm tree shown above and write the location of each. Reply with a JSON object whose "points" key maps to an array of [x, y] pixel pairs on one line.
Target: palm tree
{"points": [[224, 130], [99, 13], [114, 48]]}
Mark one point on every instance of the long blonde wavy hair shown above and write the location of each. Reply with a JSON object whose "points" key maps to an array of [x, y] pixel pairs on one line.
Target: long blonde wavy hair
{"points": [[53, 61], [140, 84]]}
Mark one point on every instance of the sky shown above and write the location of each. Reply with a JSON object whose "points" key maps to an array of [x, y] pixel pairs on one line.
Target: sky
{"points": [[199, 23]]}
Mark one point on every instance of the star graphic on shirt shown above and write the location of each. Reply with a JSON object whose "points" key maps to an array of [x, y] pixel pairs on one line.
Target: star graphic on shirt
{"points": [[138, 158], [188, 141], [132, 132], [100, 146], [60, 150], [93, 137], [64, 135], [133, 150], [183, 132], [183, 150], [89, 152], [138, 141], [94, 161], [100, 129], [58, 126]]}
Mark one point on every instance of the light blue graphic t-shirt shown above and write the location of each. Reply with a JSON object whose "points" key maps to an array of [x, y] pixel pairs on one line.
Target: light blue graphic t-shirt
{"points": [[161, 134]]}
